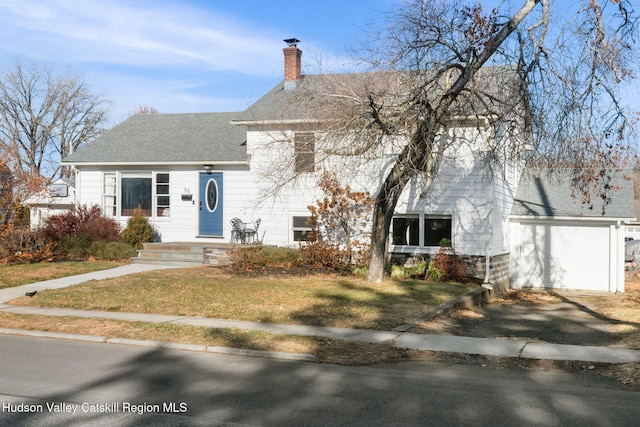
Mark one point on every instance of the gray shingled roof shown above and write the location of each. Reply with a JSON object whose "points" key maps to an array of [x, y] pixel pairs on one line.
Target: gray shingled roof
{"points": [[168, 138], [281, 104], [544, 194]]}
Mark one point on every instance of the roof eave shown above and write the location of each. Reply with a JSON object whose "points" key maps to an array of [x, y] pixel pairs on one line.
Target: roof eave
{"points": [[158, 163], [274, 122], [572, 218]]}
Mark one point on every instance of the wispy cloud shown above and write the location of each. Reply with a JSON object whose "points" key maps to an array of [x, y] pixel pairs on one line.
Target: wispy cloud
{"points": [[173, 55], [138, 34]]}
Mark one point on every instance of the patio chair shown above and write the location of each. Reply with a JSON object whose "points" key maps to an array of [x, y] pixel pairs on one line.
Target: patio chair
{"points": [[237, 231], [251, 234]]}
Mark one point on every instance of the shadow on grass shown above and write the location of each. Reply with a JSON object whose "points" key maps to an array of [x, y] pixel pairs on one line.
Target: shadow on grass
{"points": [[364, 306], [559, 322]]}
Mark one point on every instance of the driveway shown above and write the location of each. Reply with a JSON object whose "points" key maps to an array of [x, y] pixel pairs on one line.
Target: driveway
{"points": [[560, 317]]}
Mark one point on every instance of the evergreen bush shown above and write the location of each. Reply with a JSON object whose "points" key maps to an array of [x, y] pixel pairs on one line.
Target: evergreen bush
{"points": [[111, 251], [138, 230]]}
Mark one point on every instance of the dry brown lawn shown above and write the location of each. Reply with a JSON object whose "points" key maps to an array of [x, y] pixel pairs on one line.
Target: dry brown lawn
{"points": [[23, 274], [325, 300]]}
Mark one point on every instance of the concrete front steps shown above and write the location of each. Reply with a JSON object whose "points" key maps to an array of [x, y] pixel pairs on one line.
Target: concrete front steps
{"points": [[184, 254]]}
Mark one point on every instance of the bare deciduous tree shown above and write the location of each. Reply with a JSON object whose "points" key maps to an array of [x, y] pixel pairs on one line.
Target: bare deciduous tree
{"points": [[44, 117], [540, 83], [145, 109]]}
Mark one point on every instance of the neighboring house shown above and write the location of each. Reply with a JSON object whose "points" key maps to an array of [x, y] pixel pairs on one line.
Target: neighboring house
{"points": [[192, 173], [633, 227], [57, 198]]}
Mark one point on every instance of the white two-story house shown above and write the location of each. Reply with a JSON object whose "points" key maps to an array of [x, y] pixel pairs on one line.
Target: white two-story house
{"points": [[193, 173]]}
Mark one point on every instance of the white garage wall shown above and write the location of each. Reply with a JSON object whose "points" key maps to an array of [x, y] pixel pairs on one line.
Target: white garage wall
{"points": [[567, 255]]}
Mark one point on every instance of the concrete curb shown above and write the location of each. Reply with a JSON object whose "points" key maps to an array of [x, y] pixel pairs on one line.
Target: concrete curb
{"points": [[582, 353], [465, 345], [399, 337], [58, 335], [162, 344]]}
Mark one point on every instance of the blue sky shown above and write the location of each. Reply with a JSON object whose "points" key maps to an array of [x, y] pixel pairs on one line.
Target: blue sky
{"points": [[181, 55], [185, 55]]}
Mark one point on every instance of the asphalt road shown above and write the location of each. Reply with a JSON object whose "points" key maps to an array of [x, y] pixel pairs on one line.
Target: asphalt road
{"points": [[118, 385]]}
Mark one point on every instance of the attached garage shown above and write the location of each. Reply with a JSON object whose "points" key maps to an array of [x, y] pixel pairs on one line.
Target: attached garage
{"points": [[555, 242]]}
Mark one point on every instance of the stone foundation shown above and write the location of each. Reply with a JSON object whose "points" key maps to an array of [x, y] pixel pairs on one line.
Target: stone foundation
{"points": [[475, 267]]}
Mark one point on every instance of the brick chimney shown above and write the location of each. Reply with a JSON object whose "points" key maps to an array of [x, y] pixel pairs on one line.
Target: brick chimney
{"points": [[292, 64]]}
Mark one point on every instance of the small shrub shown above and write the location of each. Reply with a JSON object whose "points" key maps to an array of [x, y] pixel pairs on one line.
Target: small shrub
{"points": [[81, 221], [138, 230], [402, 272], [19, 244], [434, 273], [450, 264], [282, 257], [111, 251], [399, 272], [247, 258], [75, 247], [360, 270], [319, 253]]}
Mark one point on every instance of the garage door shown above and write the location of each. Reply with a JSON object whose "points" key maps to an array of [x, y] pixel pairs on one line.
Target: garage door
{"points": [[560, 256]]}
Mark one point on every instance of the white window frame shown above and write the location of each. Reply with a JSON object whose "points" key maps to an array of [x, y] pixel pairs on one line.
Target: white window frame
{"points": [[421, 247], [295, 229], [112, 193], [304, 151]]}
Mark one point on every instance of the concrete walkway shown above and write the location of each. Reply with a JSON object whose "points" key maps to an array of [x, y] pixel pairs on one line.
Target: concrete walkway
{"points": [[441, 343]]}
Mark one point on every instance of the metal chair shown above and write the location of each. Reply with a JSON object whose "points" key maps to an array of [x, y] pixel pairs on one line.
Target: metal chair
{"points": [[251, 234], [237, 231]]}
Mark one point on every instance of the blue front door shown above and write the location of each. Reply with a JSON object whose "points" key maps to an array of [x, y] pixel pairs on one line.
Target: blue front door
{"points": [[211, 220]]}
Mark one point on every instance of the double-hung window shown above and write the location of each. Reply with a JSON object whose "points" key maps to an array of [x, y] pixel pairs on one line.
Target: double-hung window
{"points": [[109, 194], [304, 151], [125, 192], [302, 226], [163, 198]]}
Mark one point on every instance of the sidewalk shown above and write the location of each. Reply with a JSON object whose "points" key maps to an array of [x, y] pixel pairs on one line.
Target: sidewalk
{"points": [[440, 343]]}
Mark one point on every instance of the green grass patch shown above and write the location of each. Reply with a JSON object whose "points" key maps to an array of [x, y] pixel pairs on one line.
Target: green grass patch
{"points": [[24, 274], [327, 300]]}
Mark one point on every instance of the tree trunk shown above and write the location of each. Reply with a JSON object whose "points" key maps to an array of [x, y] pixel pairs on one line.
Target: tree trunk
{"points": [[382, 215], [416, 155]]}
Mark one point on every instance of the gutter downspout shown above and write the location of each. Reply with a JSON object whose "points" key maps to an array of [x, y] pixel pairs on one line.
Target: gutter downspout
{"points": [[488, 239], [617, 273]]}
